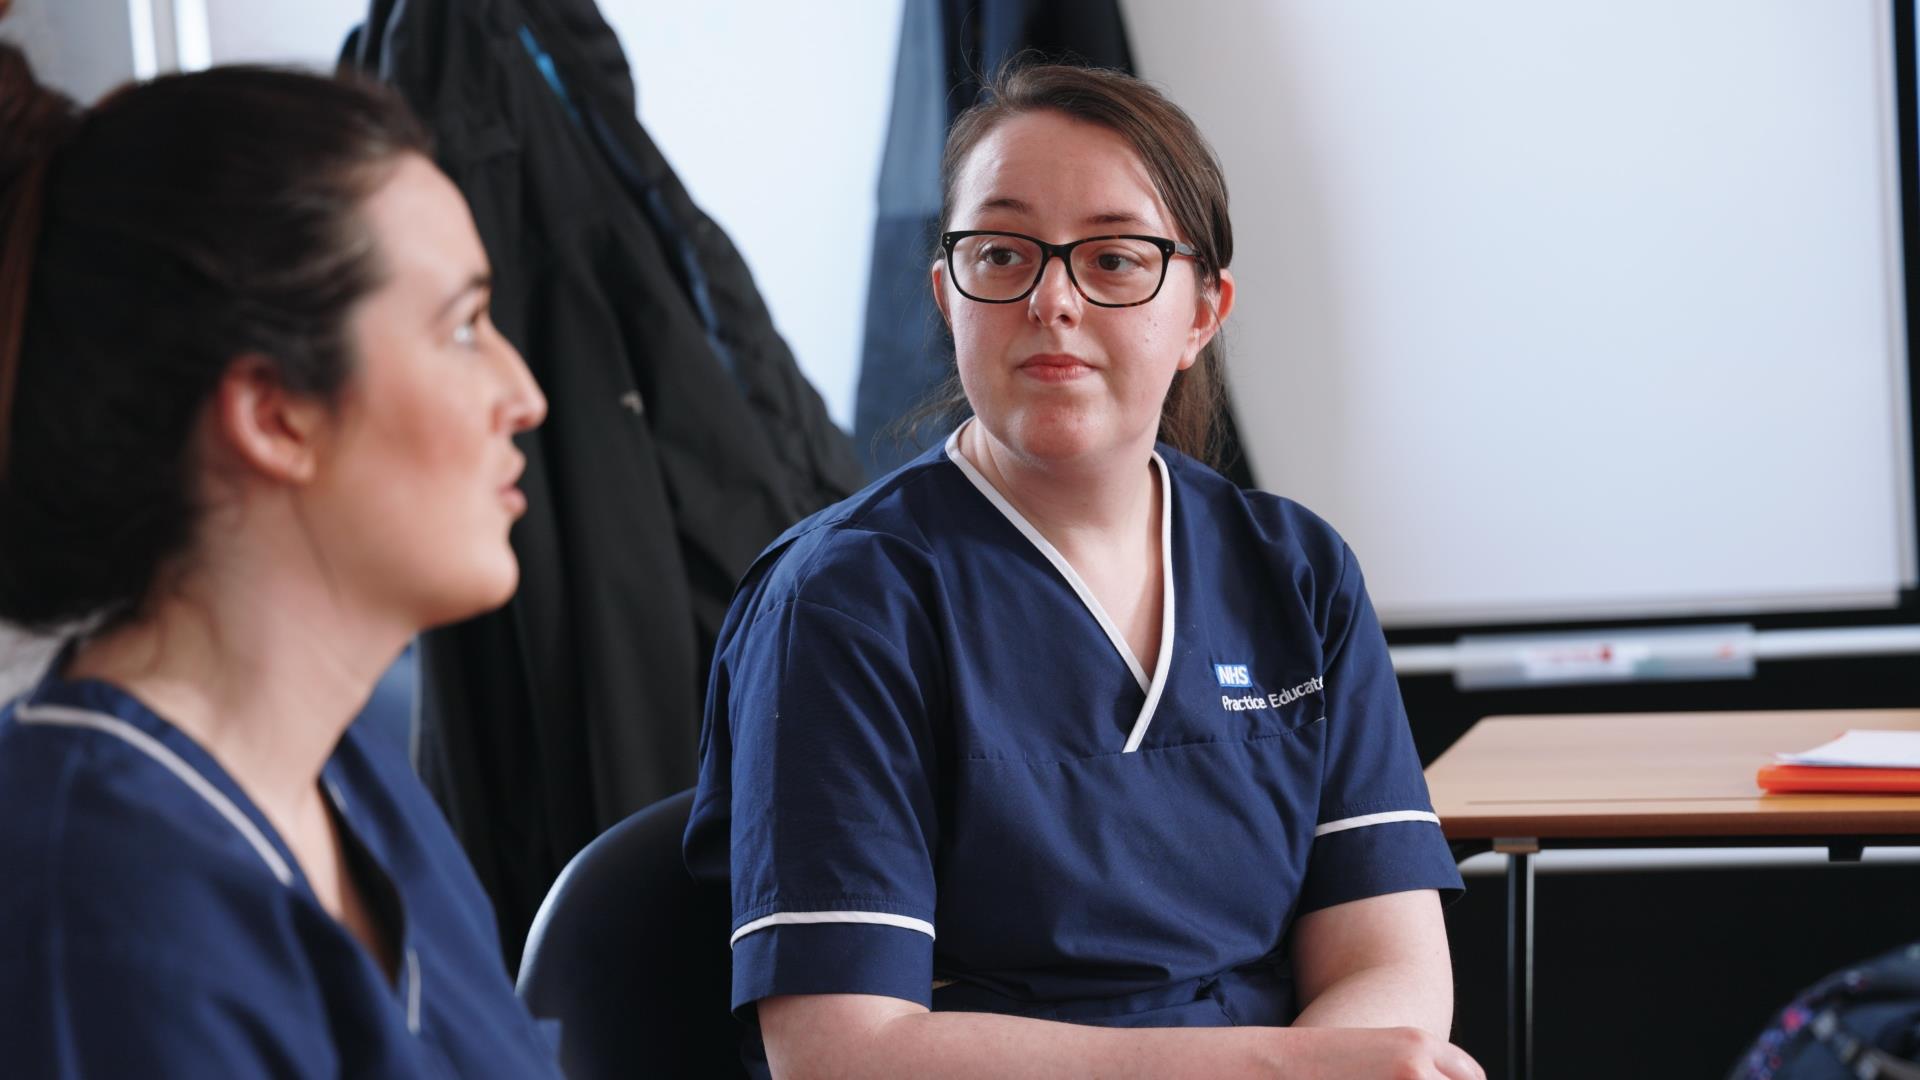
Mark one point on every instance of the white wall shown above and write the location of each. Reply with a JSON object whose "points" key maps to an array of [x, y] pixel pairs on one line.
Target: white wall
{"points": [[304, 33], [82, 47], [772, 113], [22, 659], [1567, 310]]}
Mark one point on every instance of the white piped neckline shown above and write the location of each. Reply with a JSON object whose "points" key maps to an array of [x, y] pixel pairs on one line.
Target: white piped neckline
{"points": [[1153, 687]]}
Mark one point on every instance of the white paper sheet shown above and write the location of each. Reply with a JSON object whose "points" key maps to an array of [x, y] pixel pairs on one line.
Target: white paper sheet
{"points": [[1864, 749]]}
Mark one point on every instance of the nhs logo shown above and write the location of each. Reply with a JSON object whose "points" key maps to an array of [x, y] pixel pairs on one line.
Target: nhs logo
{"points": [[1232, 675]]}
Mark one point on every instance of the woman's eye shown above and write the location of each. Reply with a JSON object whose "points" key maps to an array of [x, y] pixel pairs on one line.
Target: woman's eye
{"points": [[1000, 256], [1114, 262], [467, 334]]}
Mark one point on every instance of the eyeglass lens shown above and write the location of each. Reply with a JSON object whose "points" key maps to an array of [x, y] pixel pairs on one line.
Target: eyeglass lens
{"points": [[1001, 267]]}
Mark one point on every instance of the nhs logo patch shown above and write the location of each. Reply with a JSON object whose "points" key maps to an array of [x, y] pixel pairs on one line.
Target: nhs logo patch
{"points": [[1232, 675]]}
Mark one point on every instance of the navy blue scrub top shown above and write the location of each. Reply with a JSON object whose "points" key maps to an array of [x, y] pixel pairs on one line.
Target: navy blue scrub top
{"points": [[933, 769], [152, 923]]}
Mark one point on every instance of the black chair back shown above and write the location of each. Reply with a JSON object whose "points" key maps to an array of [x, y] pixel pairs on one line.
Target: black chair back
{"points": [[630, 954]]}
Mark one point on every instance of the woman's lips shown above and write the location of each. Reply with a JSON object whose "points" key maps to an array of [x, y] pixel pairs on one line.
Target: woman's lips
{"points": [[510, 493], [1055, 368]]}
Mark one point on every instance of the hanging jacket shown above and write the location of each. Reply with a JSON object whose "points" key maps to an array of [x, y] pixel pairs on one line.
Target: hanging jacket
{"points": [[680, 439]]}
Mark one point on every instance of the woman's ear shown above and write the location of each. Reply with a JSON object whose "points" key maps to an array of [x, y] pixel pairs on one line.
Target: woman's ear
{"points": [[1209, 311], [939, 273], [268, 429]]}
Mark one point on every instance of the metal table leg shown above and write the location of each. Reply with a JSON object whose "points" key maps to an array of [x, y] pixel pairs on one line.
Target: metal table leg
{"points": [[1519, 955]]}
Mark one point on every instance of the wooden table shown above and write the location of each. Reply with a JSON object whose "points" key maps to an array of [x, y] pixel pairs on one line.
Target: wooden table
{"points": [[1518, 784]]}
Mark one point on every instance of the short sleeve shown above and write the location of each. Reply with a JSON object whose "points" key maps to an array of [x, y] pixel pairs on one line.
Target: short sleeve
{"points": [[833, 819], [1376, 832]]}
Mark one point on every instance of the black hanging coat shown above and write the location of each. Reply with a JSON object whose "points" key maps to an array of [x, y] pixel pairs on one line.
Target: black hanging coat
{"points": [[681, 437]]}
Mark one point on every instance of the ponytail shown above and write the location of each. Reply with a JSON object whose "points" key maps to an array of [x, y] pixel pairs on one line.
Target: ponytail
{"points": [[149, 241]]}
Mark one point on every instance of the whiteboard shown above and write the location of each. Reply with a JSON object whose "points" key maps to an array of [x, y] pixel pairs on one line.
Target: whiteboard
{"points": [[1572, 310]]}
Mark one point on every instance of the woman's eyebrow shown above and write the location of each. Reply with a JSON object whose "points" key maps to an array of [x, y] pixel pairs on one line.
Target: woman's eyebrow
{"points": [[479, 282], [1098, 217], [1006, 202]]}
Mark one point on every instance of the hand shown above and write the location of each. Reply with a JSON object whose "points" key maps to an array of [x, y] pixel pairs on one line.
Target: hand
{"points": [[1374, 1054]]}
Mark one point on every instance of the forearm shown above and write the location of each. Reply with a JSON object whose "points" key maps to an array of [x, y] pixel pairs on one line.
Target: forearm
{"points": [[957, 1044], [1374, 963], [1403, 994], [857, 1036]]}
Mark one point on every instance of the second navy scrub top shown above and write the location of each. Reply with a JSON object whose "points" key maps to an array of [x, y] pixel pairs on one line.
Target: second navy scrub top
{"points": [[153, 924], [934, 770]]}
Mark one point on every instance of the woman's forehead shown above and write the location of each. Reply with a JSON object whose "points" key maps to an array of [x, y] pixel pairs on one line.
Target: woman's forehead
{"points": [[1048, 167], [424, 231]]}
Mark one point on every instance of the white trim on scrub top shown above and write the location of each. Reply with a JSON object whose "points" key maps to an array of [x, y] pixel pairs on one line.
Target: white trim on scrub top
{"points": [[1374, 819], [870, 918], [61, 716], [1158, 684]]}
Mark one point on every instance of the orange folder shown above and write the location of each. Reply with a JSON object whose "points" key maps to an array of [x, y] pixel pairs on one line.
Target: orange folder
{"points": [[1784, 778]]}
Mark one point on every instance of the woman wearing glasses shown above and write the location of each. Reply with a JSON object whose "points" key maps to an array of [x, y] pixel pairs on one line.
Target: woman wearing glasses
{"points": [[1053, 747]]}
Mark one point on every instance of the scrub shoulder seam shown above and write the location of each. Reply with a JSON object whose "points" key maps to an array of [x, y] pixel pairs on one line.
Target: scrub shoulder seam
{"points": [[1338, 649], [882, 638], [828, 531], [901, 483]]}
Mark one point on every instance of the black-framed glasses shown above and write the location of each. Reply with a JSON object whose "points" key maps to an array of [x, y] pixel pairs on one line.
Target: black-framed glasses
{"points": [[1110, 271]]}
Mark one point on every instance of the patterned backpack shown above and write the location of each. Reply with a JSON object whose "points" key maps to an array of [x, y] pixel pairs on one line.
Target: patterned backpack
{"points": [[1862, 1023]]}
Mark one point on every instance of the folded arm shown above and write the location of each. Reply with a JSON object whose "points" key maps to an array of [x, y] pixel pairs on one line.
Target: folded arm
{"points": [[857, 1035]]}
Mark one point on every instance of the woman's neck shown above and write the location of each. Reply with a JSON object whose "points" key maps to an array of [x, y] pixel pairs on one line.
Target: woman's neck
{"points": [[263, 670], [1085, 507]]}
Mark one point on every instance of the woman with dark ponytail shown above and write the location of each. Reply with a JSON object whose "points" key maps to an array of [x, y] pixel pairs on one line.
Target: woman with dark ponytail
{"points": [[255, 433]]}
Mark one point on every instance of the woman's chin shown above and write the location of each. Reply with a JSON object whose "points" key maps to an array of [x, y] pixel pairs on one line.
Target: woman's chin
{"points": [[505, 580], [487, 590], [1058, 435]]}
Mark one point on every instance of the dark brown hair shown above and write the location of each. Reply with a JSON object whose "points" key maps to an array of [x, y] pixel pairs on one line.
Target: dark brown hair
{"points": [[1186, 175], [151, 240]]}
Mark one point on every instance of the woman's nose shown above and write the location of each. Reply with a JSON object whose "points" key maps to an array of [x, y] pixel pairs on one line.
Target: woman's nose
{"points": [[526, 405], [1055, 298]]}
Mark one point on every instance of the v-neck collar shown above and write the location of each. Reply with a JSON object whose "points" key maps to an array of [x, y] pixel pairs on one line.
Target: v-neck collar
{"points": [[1151, 687], [94, 705]]}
